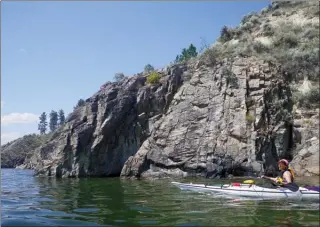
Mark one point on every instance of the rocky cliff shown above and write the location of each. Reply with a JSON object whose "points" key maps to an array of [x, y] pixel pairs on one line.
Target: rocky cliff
{"points": [[247, 101], [100, 136], [227, 120]]}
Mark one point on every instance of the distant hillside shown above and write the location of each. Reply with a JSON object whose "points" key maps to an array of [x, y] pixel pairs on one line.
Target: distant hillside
{"points": [[15, 152]]}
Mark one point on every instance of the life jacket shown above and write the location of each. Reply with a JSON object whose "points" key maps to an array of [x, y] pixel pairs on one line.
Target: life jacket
{"points": [[280, 179]]}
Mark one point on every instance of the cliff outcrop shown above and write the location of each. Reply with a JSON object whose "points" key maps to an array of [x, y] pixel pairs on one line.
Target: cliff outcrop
{"points": [[101, 135], [247, 101]]}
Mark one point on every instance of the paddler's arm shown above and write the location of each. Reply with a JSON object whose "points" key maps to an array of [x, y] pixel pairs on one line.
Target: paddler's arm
{"points": [[287, 177]]}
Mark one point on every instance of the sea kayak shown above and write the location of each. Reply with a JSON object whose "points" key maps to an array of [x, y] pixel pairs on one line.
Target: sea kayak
{"points": [[252, 190]]}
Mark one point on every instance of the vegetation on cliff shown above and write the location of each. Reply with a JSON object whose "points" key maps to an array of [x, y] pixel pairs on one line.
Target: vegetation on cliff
{"points": [[15, 152], [285, 33]]}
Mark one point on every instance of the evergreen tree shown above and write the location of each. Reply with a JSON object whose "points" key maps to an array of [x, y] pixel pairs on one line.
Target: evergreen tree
{"points": [[192, 51], [177, 59], [148, 68], [187, 54], [81, 102], [184, 54], [118, 77], [62, 118], [225, 34], [53, 124], [42, 126]]}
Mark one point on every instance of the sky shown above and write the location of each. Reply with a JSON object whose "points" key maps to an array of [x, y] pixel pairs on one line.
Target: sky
{"points": [[54, 53]]}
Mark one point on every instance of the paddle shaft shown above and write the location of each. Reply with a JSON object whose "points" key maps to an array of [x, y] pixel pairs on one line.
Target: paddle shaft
{"points": [[291, 186]]}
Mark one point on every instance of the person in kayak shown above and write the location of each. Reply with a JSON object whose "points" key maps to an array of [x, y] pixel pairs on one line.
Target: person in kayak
{"points": [[286, 178]]}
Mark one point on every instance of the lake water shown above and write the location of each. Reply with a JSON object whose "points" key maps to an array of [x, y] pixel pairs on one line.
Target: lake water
{"points": [[34, 201]]}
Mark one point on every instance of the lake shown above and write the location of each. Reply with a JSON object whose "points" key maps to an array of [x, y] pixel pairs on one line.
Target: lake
{"points": [[33, 201]]}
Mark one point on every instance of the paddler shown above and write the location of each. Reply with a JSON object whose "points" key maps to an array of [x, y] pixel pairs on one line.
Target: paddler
{"points": [[286, 178]]}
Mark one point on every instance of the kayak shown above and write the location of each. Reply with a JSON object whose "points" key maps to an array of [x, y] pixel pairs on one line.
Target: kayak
{"points": [[252, 190]]}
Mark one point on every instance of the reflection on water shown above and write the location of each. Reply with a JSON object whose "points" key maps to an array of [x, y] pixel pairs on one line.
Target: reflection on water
{"points": [[33, 201]]}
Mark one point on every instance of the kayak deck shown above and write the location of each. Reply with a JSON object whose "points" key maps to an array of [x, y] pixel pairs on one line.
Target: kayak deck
{"points": [[251, 190]]}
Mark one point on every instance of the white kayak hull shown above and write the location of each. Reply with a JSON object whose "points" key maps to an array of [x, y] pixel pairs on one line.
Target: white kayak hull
{"points": [[251, 190]]}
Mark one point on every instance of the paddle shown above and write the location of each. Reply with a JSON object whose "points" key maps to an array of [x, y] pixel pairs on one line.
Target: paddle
{"points": [[291, 186]]}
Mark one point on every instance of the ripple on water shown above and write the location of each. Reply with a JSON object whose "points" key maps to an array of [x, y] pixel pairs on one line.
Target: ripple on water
{"points": [[86, 210], [140, 208]]}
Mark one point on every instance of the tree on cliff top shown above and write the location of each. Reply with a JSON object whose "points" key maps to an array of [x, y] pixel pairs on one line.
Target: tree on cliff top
{"points": [[61, 117], [187, 54], [118, 77], [53, 124], [42, 126], [148, 68], [81, 102]]}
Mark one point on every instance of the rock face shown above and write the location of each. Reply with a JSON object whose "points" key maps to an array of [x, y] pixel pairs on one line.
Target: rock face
{"points": [[100, 136], [306, 136], [215, 128], [234, 115]]}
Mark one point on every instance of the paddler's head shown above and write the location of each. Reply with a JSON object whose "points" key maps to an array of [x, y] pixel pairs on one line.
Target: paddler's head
{"points": [[283, 164]]}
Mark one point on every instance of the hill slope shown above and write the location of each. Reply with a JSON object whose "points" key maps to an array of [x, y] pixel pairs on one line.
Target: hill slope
{"points": [[250, 99], [15, 152]]}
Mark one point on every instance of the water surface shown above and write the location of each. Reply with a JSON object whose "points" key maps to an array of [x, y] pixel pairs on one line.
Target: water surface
{"points": [[34, 201]]}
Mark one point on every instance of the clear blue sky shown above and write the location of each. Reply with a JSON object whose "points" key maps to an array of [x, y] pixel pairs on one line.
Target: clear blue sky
{"points": [[54, 53]]}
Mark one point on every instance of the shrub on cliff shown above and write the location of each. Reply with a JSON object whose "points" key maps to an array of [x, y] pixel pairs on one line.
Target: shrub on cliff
{"points": [[81, 102], [209, 56], [231, 78], [309, 99], [153, 78], [118, 77], [278, 39], [267, 29], [250, 118], [226, 34], [260, 47]]}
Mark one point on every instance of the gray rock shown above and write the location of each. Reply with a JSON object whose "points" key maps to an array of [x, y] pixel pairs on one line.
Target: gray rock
{"points": [[101, 136], [177, 128], [206, 134]]}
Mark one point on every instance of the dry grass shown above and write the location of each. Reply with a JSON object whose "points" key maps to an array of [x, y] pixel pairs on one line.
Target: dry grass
{"points": [[289, 38]]}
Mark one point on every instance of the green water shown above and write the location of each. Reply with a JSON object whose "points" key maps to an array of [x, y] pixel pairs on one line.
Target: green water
{"points": [[32, 201]]}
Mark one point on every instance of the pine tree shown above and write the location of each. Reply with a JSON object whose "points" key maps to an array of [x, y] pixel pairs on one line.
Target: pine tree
{"points": [[192, 51], [187, 54], [148, 68], [42, 126], [81, 102], [53, 124], [61, 117], [119, 77]]}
